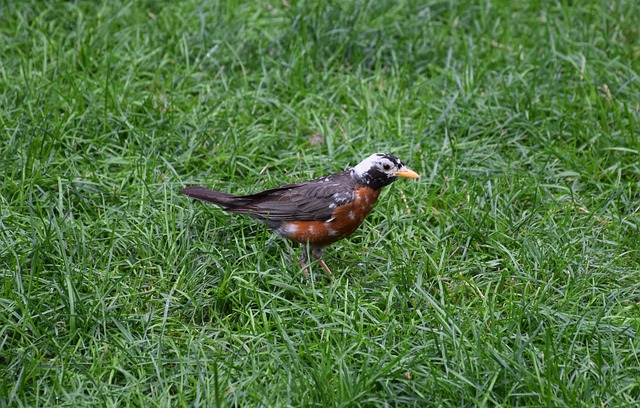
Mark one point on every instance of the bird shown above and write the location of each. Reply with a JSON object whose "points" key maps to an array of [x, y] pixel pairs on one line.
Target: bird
{"points": [[318, 212]]}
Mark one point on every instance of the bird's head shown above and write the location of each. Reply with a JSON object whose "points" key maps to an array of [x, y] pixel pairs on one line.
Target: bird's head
{"points": [[381, 169]]}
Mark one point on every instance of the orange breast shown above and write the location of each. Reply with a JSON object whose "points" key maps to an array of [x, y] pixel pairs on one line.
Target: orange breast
{"points": [[345, 220]]}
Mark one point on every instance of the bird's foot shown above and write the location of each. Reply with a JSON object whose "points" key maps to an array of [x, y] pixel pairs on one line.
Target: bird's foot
{"points": [[317, 254]]}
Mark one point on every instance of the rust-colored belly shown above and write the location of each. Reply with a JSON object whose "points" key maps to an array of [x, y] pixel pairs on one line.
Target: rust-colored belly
{"points": [[345, 220]]}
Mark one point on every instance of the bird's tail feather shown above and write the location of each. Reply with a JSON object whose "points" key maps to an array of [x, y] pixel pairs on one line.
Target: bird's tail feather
{"points": [[216, 197]]}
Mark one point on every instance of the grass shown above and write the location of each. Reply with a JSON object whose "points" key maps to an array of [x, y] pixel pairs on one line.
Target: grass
{"points": [[508, 275]]}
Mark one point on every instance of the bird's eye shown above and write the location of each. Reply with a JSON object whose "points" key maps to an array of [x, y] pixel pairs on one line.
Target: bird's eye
{"points": [[386, 166]]}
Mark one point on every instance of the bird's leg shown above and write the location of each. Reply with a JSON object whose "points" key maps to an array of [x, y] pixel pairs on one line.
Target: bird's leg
{"points": [[317, 253], [302, 259]]}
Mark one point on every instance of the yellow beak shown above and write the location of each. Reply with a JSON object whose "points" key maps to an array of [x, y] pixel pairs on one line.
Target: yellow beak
{"points": [[405, 172]]}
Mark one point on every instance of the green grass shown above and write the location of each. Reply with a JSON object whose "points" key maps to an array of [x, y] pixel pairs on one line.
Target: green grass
{"points": [[508, 275]]}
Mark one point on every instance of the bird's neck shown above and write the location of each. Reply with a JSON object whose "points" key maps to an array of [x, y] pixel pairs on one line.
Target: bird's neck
{"points": [[372, 179]]}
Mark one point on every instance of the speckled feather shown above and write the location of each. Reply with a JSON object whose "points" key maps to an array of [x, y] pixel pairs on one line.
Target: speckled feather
{"points": [[313, 200]]}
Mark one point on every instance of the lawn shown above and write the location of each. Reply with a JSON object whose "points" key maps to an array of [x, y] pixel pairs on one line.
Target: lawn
{"points": [[508, 275]]}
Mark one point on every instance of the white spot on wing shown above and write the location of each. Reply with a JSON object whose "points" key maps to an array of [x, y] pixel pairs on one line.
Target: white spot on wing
{"points": [[352, 215], [342, 197], [332, 232]]}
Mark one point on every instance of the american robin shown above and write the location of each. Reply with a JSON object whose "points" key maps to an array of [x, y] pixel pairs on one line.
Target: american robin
{"points": [[317, 212]]}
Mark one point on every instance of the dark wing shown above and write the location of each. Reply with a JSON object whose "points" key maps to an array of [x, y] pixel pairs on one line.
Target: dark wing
{"points": [[310, 201]]}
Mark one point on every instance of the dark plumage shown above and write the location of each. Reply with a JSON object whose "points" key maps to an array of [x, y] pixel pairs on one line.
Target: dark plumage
{"points": [[318, 212]]}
